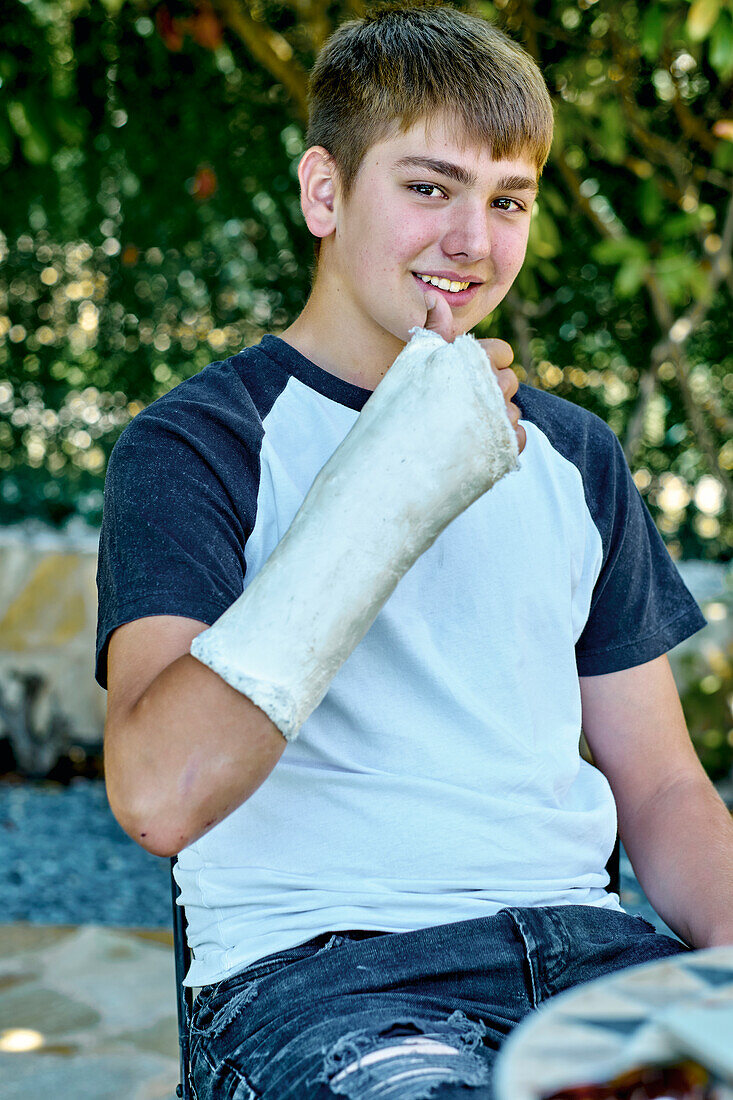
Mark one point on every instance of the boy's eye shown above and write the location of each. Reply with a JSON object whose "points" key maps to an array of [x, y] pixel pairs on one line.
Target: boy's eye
{"points": [[427, 186], [505, 203]]}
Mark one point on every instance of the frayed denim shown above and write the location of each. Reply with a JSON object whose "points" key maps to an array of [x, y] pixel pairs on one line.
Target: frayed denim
{"points": [[401, 1016]]}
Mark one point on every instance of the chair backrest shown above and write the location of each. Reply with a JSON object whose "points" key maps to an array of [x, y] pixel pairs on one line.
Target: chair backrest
{"points": [[614, 868], [184, 995]]}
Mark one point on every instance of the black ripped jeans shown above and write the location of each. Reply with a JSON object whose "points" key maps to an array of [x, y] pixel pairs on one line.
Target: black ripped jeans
{"points": [[401, 1015]]}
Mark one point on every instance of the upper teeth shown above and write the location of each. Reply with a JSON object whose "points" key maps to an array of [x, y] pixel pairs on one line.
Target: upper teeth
{"points": [[444, 284]]}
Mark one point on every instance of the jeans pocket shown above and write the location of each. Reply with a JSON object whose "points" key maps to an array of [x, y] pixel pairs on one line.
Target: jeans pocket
{"points": [[217, 1011], [218, 1005]]}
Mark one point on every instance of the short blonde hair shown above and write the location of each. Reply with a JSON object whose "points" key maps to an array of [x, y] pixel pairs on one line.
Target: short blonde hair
{"points": [[407, 62]]}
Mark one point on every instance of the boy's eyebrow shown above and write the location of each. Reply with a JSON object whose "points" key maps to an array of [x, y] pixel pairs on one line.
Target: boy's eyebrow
{"points": [[518, 183], [464, 175]]}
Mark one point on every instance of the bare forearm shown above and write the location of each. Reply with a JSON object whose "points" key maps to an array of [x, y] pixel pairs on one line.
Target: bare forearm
{"points": [[190, 752], [681, 847]]}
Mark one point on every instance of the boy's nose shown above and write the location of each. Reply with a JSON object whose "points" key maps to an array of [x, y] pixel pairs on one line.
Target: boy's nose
{"points": [[469, 236]]}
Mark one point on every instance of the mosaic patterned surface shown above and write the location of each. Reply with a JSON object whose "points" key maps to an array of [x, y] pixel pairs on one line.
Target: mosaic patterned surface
{"points": [[87, 1014]]}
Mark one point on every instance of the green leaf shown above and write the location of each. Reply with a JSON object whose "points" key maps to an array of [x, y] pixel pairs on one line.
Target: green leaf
{"points": [[8, 68], [68, 124], [702, 18], [613, 131], [721, 47], [18, 118], [34, 140], [652, 32], [617, 251], [6, 142], [549, 272], [652, 203], [526, 283], [487, 11], [679, 276], [544, 239], [630, 277], [554, 200], [561, 129], [672, 263], [36, 148], [698, 282], [723, 156], [679, 225]]}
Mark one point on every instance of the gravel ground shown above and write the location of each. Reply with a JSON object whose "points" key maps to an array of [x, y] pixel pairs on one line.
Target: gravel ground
{"points": [[65, 860]]}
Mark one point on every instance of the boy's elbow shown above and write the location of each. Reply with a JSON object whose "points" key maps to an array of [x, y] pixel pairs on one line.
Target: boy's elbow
{"points": [[158, 832], [158, 846], [150, 836], [143, 809]]}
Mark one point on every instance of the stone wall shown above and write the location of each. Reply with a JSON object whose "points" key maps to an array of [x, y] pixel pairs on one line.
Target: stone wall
{"points": [[49, 699]]}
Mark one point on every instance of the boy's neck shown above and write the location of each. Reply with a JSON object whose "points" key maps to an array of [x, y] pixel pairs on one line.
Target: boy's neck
{"points": [[348, 347]]}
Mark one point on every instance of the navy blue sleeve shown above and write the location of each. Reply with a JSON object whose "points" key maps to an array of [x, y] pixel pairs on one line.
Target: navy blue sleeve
{"points": [[640, 606], [179, 500]]}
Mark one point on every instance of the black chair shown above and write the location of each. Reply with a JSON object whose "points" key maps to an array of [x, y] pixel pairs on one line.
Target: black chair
{"points": [[184, 996], [614, 868]]}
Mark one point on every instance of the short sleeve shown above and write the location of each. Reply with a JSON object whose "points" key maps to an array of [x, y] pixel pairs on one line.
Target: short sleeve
{"points": [[640, 607], [179, 501]]}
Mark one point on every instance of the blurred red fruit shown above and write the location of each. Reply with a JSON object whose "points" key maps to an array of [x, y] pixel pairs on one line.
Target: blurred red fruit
{"points": [[205, 28], [205, 184], [169, 29]]}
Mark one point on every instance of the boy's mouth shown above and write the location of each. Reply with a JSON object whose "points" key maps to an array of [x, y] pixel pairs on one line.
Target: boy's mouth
{"points": [[455, 297]]}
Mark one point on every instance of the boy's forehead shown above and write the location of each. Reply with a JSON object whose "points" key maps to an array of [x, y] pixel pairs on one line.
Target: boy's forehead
{"points": [[430, 143]]}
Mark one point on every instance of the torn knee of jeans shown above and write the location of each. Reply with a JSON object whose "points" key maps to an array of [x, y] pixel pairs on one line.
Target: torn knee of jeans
{"points": [[412, 1054], [228, 1011]]}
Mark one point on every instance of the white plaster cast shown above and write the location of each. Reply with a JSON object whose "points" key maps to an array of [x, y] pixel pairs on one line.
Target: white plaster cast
{"points": [[433, 437]]}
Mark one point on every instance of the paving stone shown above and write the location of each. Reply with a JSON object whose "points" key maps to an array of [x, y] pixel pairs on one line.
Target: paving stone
{"points": [[46, 1011], [160, 1038], [123, 977], [152, 935], [102, 1001], [108, 1077], [15, 939], [9, 981]]}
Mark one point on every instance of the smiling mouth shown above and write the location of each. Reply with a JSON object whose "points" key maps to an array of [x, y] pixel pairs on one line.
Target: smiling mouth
{"points": [[453, 297], [452, 286]]}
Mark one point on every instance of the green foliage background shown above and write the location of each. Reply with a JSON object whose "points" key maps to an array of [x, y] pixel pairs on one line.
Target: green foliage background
{"points": [[150, 222]]}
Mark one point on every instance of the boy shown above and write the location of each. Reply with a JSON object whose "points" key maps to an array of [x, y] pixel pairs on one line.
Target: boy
{"points": [[425, 863]]}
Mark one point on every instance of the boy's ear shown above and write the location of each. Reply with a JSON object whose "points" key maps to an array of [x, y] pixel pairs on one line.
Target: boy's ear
{"points": [[316, 173]]}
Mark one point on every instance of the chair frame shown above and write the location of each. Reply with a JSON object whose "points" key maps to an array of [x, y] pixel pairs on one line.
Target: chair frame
{"points": [[184, 994]]}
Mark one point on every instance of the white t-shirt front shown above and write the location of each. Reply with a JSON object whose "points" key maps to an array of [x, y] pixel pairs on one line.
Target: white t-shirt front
{"points": [[440, 778]]}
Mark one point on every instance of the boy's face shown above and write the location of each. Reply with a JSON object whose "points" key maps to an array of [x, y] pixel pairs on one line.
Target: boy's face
{"points": [[408, 219]]}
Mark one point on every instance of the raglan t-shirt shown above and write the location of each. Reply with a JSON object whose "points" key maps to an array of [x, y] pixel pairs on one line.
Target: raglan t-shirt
{"points": [[440, 778]]}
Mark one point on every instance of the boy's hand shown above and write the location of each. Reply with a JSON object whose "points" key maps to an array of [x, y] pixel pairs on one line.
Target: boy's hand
{"points": [[440, 319]]}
